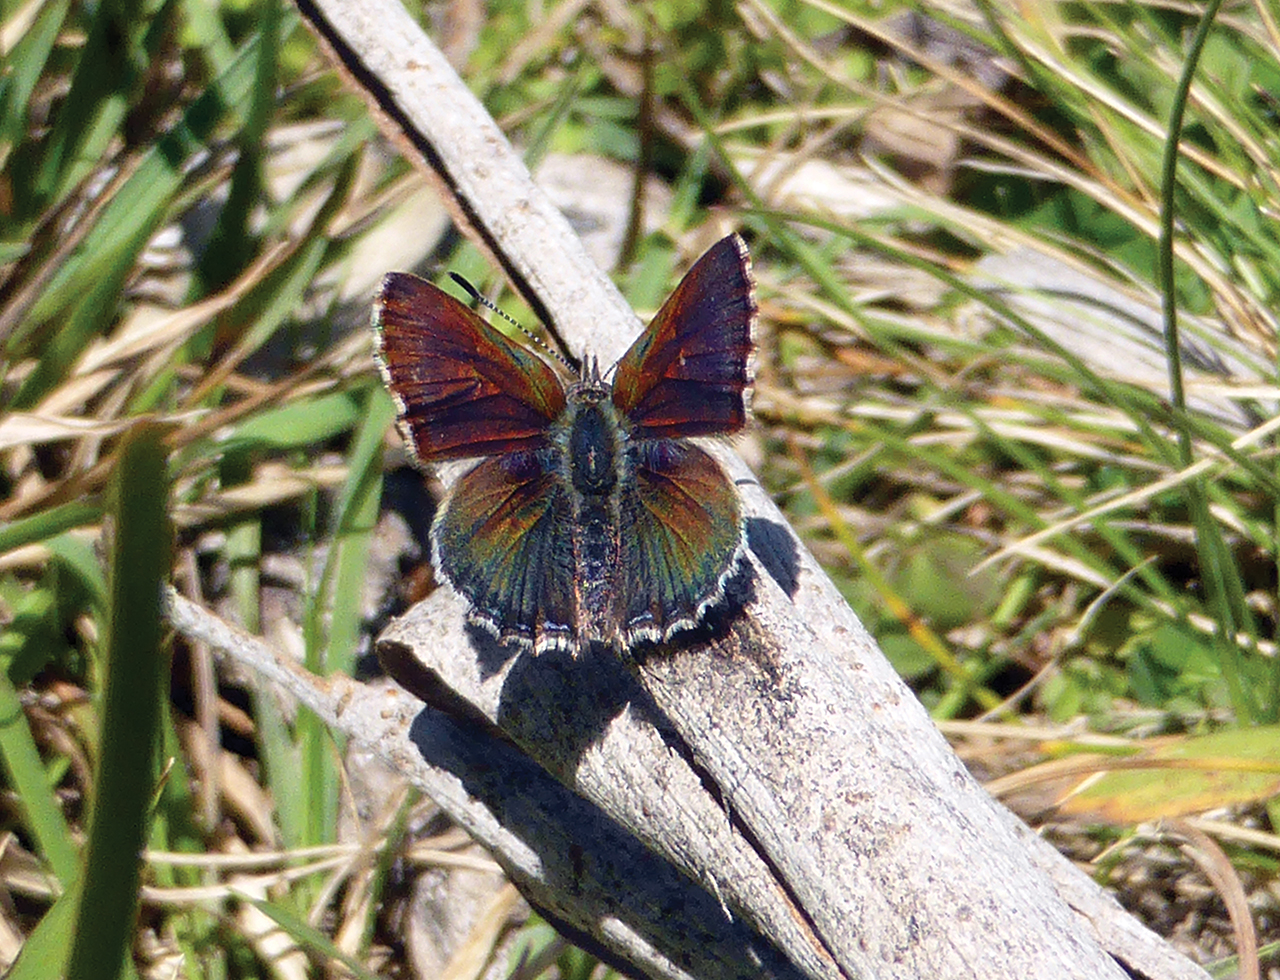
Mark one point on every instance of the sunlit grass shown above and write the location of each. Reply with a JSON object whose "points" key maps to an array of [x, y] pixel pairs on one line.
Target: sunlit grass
{"points": [[963, 400]]}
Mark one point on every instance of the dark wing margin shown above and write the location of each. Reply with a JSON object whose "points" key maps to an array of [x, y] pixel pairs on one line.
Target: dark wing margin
{"points": [[462, 389], [688, 374]]}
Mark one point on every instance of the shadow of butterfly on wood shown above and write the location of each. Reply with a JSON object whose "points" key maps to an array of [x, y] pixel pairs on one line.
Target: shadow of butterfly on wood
{"points": [[589, 517]]}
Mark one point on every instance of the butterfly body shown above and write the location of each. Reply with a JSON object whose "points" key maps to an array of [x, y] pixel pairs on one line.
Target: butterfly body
{"points": [[595, 462], [590, 516]]}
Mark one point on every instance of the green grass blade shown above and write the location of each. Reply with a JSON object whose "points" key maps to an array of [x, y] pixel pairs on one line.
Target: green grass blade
{"points": [[90, 115], [44, 954], [358, 508], [336, 604], [40, 812], [24, 66], [1168, 186], [232, 244], [135, 674], [46, 524], [1218, 570]]}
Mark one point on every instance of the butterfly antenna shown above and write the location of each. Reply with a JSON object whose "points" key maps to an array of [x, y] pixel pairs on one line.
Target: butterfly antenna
{"points": [[486, 302]]}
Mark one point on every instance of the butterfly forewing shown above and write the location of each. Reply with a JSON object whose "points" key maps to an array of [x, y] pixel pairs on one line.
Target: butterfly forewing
{"points": [[463, 388], [688, 373]]}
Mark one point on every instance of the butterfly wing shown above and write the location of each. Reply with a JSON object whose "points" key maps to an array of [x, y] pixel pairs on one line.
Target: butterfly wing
{"points": [[681, 538], [461, 387], [688, 373], [502, 538]]}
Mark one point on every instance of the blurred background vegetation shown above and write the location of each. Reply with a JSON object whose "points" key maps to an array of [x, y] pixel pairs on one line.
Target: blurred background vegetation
{"points": [[965, 406]]}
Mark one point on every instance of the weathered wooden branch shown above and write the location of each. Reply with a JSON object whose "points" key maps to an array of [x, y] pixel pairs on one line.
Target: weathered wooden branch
{"points": [[778, 762], [574, 864]]}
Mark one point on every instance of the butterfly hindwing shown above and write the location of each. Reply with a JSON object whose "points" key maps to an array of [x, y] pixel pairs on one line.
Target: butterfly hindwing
{"points": [[463, 389], [688, 373], [503, 538], [681, 538]]}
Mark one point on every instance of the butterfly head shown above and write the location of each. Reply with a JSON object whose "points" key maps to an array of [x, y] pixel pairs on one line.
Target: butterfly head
{"points": [[590, 386]]}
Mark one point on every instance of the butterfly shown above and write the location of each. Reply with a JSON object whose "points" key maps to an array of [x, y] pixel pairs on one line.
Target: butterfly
{"points": [[589, 517]]}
